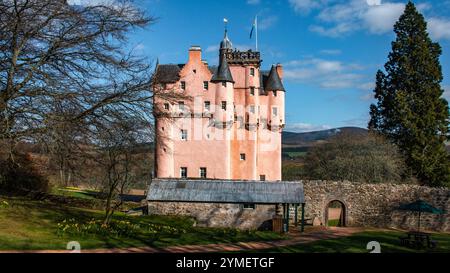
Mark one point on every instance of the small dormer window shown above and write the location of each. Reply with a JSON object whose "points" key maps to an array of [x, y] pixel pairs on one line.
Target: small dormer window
{"points": [[224, 84], [183, 85], [275, 93], [252, 72]]}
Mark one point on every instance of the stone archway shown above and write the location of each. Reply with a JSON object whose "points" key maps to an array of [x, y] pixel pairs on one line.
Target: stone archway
{"points": [[335, 213]]}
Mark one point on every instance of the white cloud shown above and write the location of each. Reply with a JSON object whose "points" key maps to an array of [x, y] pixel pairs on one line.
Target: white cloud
{"points": [[381, 19], [140, 47], [439, 28], [331, 52], [305, 127], [327, 74], [253, 2], [305, 6], [446, 94], [267, 22], [341, 17]]}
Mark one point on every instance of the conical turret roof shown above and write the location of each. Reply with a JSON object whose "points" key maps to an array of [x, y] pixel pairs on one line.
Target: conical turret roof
{"points": [[223, 73], [273, 82]]}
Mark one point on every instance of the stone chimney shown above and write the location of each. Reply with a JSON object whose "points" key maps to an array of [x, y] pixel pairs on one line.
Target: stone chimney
{"points": [[195, 54], [280, 70]]}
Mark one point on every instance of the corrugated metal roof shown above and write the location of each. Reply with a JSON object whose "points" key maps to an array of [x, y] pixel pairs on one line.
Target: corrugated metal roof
{"points": [[223, 191]]}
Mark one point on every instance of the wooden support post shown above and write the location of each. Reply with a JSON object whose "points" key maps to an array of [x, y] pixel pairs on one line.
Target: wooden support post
{"points": [[287, 217], [296, 215], [303, 218]]}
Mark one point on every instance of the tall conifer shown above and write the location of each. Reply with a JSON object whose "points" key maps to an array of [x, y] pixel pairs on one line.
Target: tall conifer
{"points": [[411, 110]]}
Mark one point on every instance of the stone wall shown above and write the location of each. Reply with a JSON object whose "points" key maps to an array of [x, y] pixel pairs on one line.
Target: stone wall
{"points": [[364, 205], [218, 215], [374, 204]]}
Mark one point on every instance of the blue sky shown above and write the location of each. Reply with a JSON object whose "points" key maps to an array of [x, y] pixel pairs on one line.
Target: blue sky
{"points": [[330, 49]]}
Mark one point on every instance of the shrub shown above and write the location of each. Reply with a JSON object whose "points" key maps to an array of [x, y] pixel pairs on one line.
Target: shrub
{"points": [[359, 158], [4, 204], [21, 176]]}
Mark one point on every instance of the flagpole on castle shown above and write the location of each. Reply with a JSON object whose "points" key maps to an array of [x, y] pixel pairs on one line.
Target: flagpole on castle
{"points": [[256, 29], [225, 22]]}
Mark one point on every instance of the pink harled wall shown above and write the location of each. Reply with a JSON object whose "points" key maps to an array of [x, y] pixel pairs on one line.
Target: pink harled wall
{"points": [[216, 148]]}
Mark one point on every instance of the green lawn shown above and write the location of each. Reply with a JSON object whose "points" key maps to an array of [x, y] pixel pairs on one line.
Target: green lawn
{"points": [[26, 224], [357, 244], [296, 154], [333, 223], [74, 192]]}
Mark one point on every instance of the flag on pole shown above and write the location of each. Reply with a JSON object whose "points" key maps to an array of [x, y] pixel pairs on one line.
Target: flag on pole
{"points": [[253, 28]]}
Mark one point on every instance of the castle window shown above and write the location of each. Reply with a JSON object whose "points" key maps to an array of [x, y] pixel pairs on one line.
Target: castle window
{"points": [[242, 157], [205, 85], [252, 72], [184, 135], [224, 105], [181, 105], [262, 177], [202, 172], [252, 91], [252, 109], [249, 206], [183, 172], [275, 111], [207, 106], [183, 85], [224, 84], [166, 106], [274, 93]]}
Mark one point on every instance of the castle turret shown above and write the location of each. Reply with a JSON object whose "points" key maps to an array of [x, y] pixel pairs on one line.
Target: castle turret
{"points": [[224, 85], [275, 91]]}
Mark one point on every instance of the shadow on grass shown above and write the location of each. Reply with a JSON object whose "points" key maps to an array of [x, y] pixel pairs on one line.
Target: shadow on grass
{"points": [[29, 224]]}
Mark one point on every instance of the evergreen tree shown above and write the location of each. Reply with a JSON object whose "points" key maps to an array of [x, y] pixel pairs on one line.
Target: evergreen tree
{"points": [[410, 110]]}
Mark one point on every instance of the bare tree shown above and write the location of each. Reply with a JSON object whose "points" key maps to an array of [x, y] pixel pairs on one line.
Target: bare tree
{"points": [[53, 54], [116, 159]]}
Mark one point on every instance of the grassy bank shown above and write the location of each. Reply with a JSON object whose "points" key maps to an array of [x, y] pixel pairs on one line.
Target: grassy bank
{"points": [[27, 224]]}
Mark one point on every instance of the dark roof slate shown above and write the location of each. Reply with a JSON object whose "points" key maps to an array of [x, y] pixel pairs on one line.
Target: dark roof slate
{"points": [[273, 82], [223, 73], [168, 73]]}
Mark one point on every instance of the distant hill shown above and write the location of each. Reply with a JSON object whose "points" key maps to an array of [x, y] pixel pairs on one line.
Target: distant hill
{"points": [[309, 138]]}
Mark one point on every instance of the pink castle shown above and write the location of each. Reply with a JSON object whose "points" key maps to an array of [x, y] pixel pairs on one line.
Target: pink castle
{"points": [[224, 122]]}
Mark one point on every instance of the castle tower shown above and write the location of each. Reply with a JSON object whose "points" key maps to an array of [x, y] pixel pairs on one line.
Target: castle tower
{"points": [[242, 112]]}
